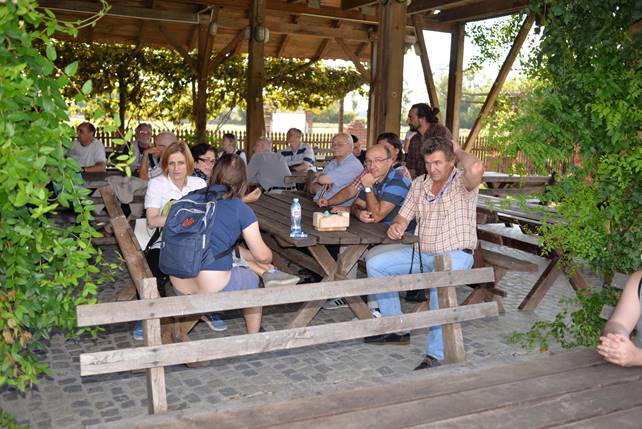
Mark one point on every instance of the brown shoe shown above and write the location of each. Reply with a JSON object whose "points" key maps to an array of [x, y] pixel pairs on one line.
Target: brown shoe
{"points": [[428, 362], [391, 339]]}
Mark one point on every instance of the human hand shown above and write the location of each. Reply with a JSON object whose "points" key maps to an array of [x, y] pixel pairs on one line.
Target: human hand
{"points": [[395, 231], [367, 180], [154, 150], [339, 209], [618, 349], [252, 196], [322, 202], [456, 146], [365, 216]]}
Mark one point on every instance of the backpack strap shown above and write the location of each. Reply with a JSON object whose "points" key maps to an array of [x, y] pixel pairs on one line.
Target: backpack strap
{"points": [[153, 239]]}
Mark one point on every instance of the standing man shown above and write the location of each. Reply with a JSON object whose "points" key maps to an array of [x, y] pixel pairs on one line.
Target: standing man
{"points": [[299, 156], [422, 119], [88, 150], [444, 203], [267, 168], [339, 172]]}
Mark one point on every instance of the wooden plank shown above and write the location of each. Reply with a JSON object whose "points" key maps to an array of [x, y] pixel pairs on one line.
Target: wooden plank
{"points": [[224, 53], [511, 192], [508, 262], [420, 6], [455, 75], [348, 259], [242, 345], [621, 419], [425, 64], [483, 10], [155, 376], [365, 74], [294, 255], [356, 4], [453, 337], [506, 67], [591, 399], [117, 312], [518, 243], [325, 260], [301, 409], [541, 286]]}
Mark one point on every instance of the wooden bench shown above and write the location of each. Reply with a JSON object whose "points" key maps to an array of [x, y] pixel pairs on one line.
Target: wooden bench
{"points": [[154, 355]]}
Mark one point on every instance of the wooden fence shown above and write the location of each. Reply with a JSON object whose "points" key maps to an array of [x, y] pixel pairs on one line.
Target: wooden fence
{"points": [[481, 148]]}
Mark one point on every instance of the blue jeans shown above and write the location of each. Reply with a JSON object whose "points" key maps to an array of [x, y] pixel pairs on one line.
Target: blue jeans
{"points": [[396, 262]]}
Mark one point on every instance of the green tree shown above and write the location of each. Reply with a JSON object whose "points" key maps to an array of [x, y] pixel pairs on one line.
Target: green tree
{"points": [[46, 269], [587, 96]]}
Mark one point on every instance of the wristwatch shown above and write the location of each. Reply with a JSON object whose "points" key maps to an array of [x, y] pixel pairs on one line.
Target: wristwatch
{"points": [[367, 189]]}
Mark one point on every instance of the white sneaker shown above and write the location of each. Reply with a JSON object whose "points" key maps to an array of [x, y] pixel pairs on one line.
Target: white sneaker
{"points": [[333, 304]]}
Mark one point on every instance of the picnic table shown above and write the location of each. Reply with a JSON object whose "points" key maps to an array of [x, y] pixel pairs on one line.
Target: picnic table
{"points": [[502, 185], [273, 213], [528, 217], [575, 389]]}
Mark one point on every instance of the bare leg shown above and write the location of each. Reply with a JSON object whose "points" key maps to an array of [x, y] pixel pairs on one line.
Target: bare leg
{"points": [[257, 267], [252, 317]]}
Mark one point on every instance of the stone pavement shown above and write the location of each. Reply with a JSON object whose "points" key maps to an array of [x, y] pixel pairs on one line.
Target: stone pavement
{"points": [[66, 400]]}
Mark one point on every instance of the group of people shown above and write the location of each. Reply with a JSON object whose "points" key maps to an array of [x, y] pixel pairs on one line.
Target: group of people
{"points": [[431, 192]]}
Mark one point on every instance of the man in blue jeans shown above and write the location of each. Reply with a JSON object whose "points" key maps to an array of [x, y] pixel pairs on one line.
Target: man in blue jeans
{"points": [[444, 203]]}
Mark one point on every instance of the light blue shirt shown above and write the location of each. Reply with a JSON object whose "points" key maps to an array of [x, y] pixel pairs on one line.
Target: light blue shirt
{"points": [[342, 174]]}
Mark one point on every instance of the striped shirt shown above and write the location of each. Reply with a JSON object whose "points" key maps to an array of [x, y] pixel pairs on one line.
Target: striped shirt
{"points": [[393, 189], [304, 153], [446, 221]]}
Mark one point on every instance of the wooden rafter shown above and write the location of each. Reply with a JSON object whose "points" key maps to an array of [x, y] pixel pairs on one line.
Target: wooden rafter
{"points": [[224, 53], [353, 57], [455, 75], [323, 46], [286, 38], [178, 47], [489, 103], [425, 64], [355, 4], [483, 10], [121, 11], [420, 6]]}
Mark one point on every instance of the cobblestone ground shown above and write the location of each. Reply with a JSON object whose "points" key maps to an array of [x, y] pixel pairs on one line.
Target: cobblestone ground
{"points": [[66, 400]]}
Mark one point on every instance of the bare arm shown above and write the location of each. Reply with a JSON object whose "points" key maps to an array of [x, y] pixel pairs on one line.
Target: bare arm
{"points": [[324, 179], [472, 167], [378, 209], [154, 218], [99, 167], [343, 195], [261, 252], [302, 168]]}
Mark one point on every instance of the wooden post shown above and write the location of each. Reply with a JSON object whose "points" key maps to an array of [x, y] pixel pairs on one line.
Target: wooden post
{"points": [[425, 64], [205, 43], [255, 76], [372, 93], [389, 75], [489, 103], [453, 337], [341, 103], [455, 72], [156, 393]]}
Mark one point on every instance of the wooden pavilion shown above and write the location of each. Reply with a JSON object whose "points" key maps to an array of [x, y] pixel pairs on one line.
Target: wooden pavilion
{"points": [[371, 34]]}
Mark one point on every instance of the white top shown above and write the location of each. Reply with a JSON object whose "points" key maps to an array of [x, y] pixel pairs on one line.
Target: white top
{"points": [[90, 155], [268, 169], [303, 153], [161, 190]]}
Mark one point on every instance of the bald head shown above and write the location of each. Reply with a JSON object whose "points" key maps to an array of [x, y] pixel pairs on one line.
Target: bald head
{"points": [[263, 144], [379, 161], [163, 140]]}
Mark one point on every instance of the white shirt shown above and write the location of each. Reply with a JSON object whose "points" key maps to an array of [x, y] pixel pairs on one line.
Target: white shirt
{"points": [[90, 155], [161, 189]]}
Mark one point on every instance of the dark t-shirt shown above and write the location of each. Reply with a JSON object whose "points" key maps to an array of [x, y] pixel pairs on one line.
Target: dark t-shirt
{"points": [[231, 218], [414, 159]]}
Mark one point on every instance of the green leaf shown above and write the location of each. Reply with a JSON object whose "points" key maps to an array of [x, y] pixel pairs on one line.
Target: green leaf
{"points": [[86, 88], [72, 68], [51, 52]]}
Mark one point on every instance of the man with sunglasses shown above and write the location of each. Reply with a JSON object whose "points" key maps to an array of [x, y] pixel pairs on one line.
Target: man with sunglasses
{"points": [[443, 202]]}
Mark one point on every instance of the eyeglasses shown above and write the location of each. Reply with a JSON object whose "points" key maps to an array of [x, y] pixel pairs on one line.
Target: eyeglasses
{"points": [[208, 160], [334, 144], [376, 161]]}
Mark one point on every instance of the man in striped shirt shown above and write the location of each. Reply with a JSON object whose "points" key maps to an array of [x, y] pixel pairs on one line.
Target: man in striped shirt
{"points": [[299, 156]]}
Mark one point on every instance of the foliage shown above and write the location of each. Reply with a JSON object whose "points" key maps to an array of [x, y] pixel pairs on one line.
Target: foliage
{"points": [[159, 84], [578, 324], [9, 421], [331, 115], [586, 97], [492, 38], [46, 269]]}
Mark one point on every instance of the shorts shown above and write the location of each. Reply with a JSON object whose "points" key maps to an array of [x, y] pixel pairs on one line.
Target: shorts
{"points": [[241, 278]]}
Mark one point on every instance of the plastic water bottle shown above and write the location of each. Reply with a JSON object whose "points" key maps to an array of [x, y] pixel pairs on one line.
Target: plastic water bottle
{"points": [[295, 218]]}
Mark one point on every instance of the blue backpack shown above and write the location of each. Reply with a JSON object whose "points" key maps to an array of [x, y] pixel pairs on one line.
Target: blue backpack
{"points": [[186, 234]]}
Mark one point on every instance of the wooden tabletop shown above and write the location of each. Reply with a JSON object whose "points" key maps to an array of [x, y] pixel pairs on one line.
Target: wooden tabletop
{"points": [[573, 389], [273, 213]]}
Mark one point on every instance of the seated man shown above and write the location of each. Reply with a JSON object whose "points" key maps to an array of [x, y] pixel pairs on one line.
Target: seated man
{"points": [[142, 141], [229, 144], [88, 151], [615, 343], [299, 156], [267, 168], [390, 141], [444, 204], [150, 164], [339, 172]]}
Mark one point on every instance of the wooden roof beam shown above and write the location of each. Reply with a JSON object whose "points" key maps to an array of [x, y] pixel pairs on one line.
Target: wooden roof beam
{"points": [[355, 4], [84, 7], [484, 10], [419, 6], [178, 47], [228, 50], [355, 60], [286, 38]]}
